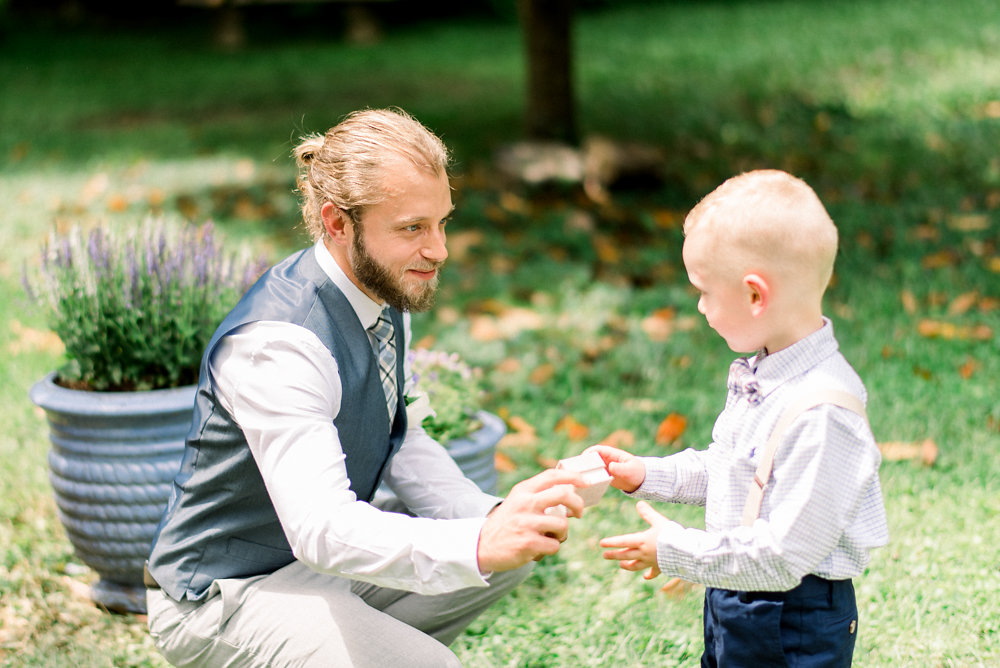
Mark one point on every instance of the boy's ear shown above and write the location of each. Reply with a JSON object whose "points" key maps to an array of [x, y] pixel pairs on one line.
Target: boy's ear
{"points": [[335, 221], [759, 292]]}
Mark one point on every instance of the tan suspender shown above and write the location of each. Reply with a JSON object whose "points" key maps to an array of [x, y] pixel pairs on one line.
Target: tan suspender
{"points": [[751, 511]]}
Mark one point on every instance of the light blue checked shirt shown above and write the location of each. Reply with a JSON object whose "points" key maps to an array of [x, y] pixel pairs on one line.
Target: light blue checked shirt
{"points": [[822, 511]]}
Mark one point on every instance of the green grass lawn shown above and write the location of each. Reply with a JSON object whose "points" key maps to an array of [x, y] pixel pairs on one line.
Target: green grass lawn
{"points": [[891, 110]]}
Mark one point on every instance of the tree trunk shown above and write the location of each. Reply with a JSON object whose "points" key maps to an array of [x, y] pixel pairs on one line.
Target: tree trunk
{"points": [[230, 27], [547, 28]]}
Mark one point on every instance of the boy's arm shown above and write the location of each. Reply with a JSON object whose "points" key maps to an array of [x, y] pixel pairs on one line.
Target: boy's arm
{"points": [[678, 478], [824, 471]]}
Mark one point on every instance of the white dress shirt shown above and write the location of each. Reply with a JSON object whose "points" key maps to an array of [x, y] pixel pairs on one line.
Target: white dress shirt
{"points": [[282, 386], [822, 510]]}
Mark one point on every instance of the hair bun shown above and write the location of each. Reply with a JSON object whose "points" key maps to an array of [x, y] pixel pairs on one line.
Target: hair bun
{"points": [[307, 149]]}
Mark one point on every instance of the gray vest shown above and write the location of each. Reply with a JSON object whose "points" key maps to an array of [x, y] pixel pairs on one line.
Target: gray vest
{"points": [[219, 521]]}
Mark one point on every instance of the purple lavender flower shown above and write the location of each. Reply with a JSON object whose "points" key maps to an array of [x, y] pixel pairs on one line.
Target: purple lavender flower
{"points": [[106, 291]]}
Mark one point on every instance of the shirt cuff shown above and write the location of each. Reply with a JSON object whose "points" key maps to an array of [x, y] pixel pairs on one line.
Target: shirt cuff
{"points": [[675, 550], [659, 482], [456, 543]]}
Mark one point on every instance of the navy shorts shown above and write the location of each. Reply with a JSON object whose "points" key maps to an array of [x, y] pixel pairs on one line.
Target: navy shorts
{"points": [[814, 624]]}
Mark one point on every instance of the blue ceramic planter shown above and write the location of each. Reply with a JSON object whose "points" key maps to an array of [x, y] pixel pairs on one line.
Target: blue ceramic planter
{"points": [[476, 453], [114, 456]]}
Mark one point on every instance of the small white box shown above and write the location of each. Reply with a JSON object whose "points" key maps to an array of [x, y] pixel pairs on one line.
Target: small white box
{"points": [[591, 467]]}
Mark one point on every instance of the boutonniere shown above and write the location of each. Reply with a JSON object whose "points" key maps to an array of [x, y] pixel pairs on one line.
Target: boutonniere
{"points": [[418, 407]]}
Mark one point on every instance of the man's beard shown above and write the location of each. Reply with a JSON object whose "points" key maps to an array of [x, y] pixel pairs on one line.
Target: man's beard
{"points": [[379, 280]]}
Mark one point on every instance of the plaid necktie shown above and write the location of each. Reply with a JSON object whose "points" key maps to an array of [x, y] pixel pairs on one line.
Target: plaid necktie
{"points": [[383, 332], [742, 380]]}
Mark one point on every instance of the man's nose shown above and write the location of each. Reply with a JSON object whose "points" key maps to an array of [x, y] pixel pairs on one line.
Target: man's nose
{"points": [[435, 249]]}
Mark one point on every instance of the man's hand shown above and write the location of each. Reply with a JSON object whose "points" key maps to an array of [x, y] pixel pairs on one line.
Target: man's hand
{"points": [[519, 530], [626, 470], [638, 550]]}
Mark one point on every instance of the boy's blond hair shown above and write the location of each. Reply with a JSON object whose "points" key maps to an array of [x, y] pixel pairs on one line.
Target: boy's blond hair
{"points": [[768, 221]]}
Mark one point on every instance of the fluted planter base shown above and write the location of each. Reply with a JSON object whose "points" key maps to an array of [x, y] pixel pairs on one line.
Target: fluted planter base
{"points": [[114, 456]]}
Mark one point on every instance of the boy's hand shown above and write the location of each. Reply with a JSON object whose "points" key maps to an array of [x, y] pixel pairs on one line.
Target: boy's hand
{"points": [[638, 550], [626, 470]]}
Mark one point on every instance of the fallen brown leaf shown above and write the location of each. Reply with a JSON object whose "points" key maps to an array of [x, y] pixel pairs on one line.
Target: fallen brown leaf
{"points": [[542, 373], [969, 222], [594, 348], [514, 203], [969, 368], [993, 196], [425, 343], [622, 439], [517, 439], [508, 365], [909, 301], [546, 462], [517, 320], [659, 325], [989, 304], [117, 203], [27, 339], [522, 434], [518, 423], [963, 303], [574, 430], [646, 405], [607, 250], [944, 258], [156, 197], [484, 328], [670, 429], [947, 330], [925, 451], [504, 463], [981, 333], [677, 588], [461, 242], [95, 186], [668, 218]]}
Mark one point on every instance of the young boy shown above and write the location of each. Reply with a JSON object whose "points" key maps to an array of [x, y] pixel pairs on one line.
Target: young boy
{"points": [[760, 251]]}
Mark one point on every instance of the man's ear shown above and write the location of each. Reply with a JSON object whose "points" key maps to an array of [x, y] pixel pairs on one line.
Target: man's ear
{"points": [[759, 292], [335, 222]]}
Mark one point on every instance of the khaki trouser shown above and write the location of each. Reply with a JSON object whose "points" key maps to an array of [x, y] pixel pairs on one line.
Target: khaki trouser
{"points": [[297, 617]]}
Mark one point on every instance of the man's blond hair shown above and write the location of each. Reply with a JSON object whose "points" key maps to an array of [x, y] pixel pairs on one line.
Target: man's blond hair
{"points": [[768, 221], [346, 166]]}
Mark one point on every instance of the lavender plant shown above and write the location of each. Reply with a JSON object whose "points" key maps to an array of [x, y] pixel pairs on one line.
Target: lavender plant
{"points": [[135, 308], [450, 388]]}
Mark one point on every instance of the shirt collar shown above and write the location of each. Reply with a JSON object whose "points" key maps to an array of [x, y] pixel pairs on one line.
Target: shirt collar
{"points": [[771, 370], [364, 306]]}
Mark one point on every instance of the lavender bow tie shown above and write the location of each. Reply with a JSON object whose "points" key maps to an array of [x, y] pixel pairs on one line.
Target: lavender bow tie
{"points": [[742, 381]]}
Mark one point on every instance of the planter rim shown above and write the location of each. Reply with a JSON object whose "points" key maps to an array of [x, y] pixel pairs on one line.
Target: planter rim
{"points": [[49, 396], [492, 429]]}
